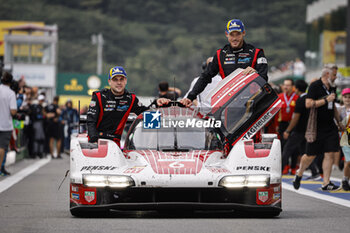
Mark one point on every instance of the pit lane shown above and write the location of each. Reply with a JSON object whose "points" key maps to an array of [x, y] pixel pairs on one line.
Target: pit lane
{"points": [[34, 204]]}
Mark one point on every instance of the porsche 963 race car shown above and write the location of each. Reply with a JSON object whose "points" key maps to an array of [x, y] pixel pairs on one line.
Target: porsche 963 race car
{"points": [[175, 158]]}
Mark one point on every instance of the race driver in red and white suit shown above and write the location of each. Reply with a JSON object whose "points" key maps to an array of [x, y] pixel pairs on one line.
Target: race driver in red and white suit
{"points": [[236, 54], [109, 108]]}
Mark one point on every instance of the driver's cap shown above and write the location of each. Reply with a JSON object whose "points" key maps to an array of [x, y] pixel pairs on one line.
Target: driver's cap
{"points": [[118, 70], [234, 25]]}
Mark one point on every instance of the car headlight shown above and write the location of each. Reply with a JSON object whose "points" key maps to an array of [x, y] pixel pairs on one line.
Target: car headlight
{"points": [[245, 181], [110, 181]]}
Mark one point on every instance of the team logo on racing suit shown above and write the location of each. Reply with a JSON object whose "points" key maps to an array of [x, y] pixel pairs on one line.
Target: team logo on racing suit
{"points": [[151, 120], [263, 196], [89, 196]]}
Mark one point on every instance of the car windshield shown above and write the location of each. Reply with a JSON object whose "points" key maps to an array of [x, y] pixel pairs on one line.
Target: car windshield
{"points": [[173, 138]]}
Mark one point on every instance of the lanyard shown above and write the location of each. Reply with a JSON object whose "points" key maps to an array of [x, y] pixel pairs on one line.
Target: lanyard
{"points": [[288, 101], [325, 88]]}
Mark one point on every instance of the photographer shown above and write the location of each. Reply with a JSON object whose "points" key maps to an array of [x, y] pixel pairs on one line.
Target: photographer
{"points": [[8, 109]]}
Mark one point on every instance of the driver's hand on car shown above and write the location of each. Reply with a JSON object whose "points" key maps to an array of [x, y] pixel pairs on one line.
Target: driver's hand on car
{"points": [[163, 101], [186, 101], [248, 70]]}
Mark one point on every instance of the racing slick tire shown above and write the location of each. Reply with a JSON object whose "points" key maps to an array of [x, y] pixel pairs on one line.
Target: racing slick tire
{"points": [[88, 213], [262, 214]]}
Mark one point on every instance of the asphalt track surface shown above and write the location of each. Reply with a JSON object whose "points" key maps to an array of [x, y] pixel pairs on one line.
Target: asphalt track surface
{"points": [[34, 204]]}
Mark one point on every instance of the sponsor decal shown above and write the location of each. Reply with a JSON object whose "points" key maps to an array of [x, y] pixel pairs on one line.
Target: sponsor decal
{"points": [[110, 105], [229, 62], [92, 103], [229, 59], [134, 170], [260, 123], [277, 189], [123, 108], [75, 189], [243, 55], [244, 60], [92, 111], [111, 101], [230, 55], [253, 168], [73, 86], [263, 196], [218, 170], [151, 120], [89, 196], [262, 60], [97, 168], [108, 109], [75, 196], [276, 196]]}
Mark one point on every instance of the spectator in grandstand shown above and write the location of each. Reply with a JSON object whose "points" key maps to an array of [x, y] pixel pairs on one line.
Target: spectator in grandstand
{"points": [[8, 109], [295, 131], [344, 112], [327, 140]]}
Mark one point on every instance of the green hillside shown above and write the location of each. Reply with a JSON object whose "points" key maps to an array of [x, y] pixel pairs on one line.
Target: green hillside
{"points": [[160, 40]]}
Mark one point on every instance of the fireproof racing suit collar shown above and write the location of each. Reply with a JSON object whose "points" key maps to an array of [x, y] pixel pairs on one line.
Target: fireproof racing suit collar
{"points": [[238, 50]]}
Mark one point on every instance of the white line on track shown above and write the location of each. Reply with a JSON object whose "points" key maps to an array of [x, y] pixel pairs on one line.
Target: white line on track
{"points": [[313, 194], [15, 178]]}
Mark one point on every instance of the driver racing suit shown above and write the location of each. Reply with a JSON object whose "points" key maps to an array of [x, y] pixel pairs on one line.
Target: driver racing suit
{"points": [[108, 114], [227, 60]]}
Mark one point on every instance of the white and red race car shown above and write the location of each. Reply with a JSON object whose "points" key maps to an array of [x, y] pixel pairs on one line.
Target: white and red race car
{"points": [[174, 158]]}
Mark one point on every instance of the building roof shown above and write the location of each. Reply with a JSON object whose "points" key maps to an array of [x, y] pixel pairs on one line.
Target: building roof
{"points": [[31, 28]]}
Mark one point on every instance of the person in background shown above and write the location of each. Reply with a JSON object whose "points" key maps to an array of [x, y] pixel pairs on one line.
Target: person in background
{"points": [[167, 92], [344, 112], [201, 101], [83, 111], [284, 116], [8, 109], [37, 116], [53, 113], [70, 120], [299, 68], [295, 132], [334, 69], [327, 140]]}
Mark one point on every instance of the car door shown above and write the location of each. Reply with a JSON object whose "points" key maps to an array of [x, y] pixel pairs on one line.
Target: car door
{"points": [[243, 104]]}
